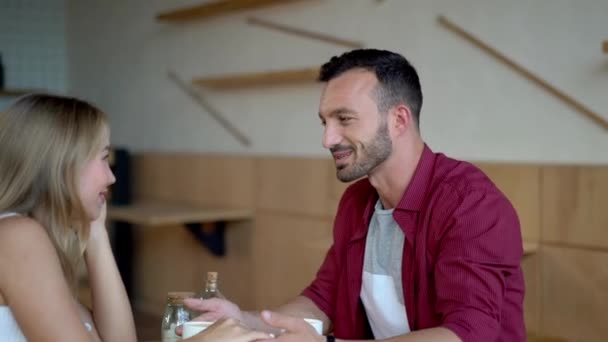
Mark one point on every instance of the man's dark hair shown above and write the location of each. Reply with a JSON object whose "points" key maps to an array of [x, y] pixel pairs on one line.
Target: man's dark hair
{"points": [[397, 78]]}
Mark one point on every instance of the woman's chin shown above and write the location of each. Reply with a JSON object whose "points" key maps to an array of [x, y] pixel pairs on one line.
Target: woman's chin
{"points": [[93, 213]]}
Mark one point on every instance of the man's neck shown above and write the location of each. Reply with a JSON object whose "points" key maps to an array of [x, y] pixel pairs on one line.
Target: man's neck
{"points": [[394, 175]]}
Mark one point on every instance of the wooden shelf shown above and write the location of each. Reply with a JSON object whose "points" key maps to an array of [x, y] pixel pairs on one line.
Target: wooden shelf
{"points": [[162, 213], [216, 8], [605, 46], [270, 78]]}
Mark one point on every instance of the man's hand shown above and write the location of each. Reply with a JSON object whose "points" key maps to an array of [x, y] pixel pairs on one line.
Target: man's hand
{"points": [[294, 329], [213, 309]]}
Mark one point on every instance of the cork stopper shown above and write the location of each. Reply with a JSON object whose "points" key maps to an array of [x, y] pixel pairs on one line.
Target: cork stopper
{"points": [[212, 277], [177, 297]]}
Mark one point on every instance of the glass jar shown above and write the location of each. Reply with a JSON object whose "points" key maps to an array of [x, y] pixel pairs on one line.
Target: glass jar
{"points": [[175, 315]]}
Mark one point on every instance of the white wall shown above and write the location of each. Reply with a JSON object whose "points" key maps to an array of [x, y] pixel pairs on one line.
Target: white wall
{"points": [[475, 108], [32, 45]]}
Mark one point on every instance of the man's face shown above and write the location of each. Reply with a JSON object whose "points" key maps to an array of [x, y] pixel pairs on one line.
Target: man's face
{"points": [[355, 132]]}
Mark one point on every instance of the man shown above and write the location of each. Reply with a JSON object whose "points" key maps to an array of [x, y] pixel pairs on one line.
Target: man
{"points": [[425, 248]]}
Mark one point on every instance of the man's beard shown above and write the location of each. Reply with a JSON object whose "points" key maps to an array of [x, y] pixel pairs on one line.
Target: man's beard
{"points": [[371, 155]]}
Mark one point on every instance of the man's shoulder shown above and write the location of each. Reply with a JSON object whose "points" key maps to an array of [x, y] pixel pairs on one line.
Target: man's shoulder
{"points": [[460, 177]]}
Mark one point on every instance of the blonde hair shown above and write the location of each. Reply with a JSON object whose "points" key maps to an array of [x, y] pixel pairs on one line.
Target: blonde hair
{"points": [[44, 141]]}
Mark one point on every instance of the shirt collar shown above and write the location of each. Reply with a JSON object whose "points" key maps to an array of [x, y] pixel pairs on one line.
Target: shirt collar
{"points": [[413, 197]]}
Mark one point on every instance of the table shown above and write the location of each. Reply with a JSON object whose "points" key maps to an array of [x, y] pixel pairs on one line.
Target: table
{"points": [[155, 213]]}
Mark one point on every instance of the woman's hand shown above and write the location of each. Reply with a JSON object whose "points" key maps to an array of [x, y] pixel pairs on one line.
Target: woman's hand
{"points": [[111, 308], [98, 226], [228, 330]]}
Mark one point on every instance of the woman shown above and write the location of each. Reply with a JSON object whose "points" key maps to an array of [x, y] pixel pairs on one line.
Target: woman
{"points": [[54, 179]]}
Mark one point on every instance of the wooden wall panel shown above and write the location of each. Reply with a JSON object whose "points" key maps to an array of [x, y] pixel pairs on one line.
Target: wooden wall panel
{"points": [[207, 180], [575, 294], [170, 259], [336, 189], [575, 199], [532, 300], [283, 262], [165, 260], [521, 184], [292, 185], [236, 267]]}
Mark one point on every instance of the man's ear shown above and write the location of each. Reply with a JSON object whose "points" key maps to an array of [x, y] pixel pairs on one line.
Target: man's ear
{"points": [[402, 119]]}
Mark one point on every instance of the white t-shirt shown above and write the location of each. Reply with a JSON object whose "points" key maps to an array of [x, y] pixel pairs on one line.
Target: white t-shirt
{"points": [[382, 288]]}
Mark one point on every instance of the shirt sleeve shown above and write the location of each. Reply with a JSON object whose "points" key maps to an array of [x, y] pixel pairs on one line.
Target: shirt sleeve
{"points": [[322, 291], [479, 248]]}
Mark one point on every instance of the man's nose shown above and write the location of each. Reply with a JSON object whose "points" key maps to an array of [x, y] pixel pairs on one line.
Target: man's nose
{"points": [[331, 137]]}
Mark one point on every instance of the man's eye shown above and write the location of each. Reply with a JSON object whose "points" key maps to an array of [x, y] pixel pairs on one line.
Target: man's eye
{"points": [[344, 119]]}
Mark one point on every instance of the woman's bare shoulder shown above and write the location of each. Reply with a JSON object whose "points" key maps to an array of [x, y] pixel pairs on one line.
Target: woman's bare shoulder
{"points": [[25, 249], [30, 269], [21, 230], [22, 237]]}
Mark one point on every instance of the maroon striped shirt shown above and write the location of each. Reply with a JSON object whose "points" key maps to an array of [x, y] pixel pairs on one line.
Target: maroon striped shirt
{"points": [[461, 265]]}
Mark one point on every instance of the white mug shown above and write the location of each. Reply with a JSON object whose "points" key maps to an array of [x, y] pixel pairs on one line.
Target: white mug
{"points": [[194, 327], [317, 324]]}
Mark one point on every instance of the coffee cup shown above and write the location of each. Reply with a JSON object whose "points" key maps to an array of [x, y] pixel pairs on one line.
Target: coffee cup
{"points": [[317, 324], [194, 327]]}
